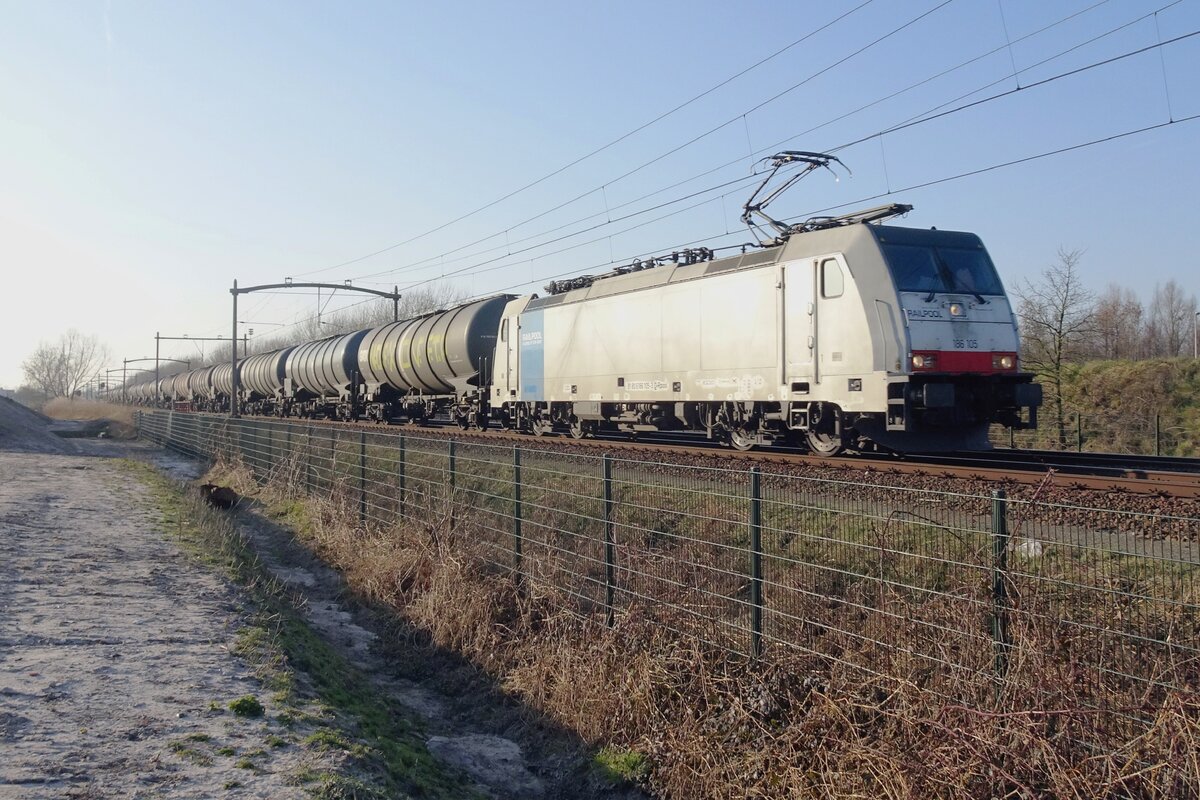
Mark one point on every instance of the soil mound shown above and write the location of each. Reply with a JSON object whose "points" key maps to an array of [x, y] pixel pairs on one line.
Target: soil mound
{"points": [[24, 430]]}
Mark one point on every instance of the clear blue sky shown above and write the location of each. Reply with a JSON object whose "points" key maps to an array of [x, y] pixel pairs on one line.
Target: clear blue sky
{"points": [[151, 152]]}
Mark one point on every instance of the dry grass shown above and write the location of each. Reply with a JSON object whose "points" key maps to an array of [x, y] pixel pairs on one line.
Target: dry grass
{"points": [[815, 724], [67, 409]]}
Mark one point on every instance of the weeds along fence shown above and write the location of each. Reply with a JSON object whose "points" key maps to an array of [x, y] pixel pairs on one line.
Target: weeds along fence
{"points": [[979, 601]]}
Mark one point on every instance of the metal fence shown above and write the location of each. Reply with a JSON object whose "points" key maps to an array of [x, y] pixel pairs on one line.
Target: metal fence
{"points": [[980, 600], [1097, 431]]}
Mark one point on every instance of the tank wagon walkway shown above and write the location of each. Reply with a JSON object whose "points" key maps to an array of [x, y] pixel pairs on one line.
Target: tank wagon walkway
{"points": [[104, 673]]}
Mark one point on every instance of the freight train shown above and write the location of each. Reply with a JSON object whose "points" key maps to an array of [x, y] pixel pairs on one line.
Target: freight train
{"points": [[842, 334]]}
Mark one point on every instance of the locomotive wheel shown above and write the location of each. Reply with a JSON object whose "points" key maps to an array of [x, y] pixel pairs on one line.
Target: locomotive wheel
{"points": [[825, 444], [540, 427], [740, 440], [578, 431]]}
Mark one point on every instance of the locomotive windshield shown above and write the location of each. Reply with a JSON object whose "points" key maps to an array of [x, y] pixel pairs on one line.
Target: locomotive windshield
{"points": [[932, 268]]}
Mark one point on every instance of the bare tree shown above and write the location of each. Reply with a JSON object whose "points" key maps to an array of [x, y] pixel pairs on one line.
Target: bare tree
{"points": [[61, 369], [1119, 328], [1057, 316], [1172, 314], [43, 370], [82, 357]]}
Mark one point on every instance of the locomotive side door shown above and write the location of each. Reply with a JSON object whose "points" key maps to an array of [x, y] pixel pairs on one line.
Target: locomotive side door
{"points": [[828, 280], [798, 318]]}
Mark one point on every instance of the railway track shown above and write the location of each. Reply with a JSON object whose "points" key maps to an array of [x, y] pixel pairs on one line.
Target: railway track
{"points": [[1162, 477]]}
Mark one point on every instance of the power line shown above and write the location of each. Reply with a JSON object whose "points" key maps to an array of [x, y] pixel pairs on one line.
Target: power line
{"points": [[604, 147], [901, 125], [861, 200], [673, 150], [913, 187], [1003, 165], [771, 148], [922, 120]]}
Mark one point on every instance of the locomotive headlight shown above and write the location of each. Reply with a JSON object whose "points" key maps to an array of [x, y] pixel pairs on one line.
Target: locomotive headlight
{"points": [[1003, 361], [956, 309], [924, 360]]}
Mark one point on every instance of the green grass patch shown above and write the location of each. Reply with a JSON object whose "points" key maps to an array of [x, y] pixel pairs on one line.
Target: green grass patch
{"points": [[247, 706], [619, 765], [189, 753]]}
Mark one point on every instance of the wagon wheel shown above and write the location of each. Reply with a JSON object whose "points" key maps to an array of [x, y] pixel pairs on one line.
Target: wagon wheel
{"points": [[463, 421], [825, 444], [540, 427]]}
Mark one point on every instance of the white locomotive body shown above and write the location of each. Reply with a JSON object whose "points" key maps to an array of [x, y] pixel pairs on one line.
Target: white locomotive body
{"points": [[849, 336]]}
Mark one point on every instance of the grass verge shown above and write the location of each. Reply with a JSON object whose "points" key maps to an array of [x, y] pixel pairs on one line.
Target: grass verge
{"points": [[862, 712], [313, 685]]}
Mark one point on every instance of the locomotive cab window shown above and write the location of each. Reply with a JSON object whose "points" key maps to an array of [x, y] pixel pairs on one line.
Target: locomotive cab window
{"points": [[832, 283], [504, 330], [942, 267]]}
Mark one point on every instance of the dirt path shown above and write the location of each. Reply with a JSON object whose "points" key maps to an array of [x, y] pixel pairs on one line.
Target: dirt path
{"points": [[115, 671], [117, 665]]}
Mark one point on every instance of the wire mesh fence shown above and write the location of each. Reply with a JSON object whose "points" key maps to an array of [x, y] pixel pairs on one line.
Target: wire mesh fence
{"points": [[979, 600], [1148, 434]]}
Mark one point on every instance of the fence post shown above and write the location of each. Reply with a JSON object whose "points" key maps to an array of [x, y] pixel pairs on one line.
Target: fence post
{"points": [[1012, 438], [332, 457], [1157, 437], [450, 464], [1079, 433], [400, 476], [1000, 634], [609, 544], [517, 510], [756, 579], [309, 464], [256, 450], [362, 477]]}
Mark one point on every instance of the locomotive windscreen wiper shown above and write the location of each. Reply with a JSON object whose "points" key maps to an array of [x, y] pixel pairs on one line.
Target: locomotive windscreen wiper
{"points": [[950, 279]]}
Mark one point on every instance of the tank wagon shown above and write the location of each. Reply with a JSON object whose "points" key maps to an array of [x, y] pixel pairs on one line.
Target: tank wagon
{"points": [[199, 386], [222, 387], [419, 368], [322, 377], [262, 378]]}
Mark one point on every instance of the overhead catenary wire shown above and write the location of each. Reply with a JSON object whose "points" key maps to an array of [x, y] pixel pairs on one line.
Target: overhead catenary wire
{"points": [[913, 187], [606, 146], [913, 123], [969, 105], [576, 198], [769, 148]]}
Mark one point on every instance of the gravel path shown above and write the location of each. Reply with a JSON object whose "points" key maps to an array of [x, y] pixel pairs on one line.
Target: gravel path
{"points": [[113, 647]]}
